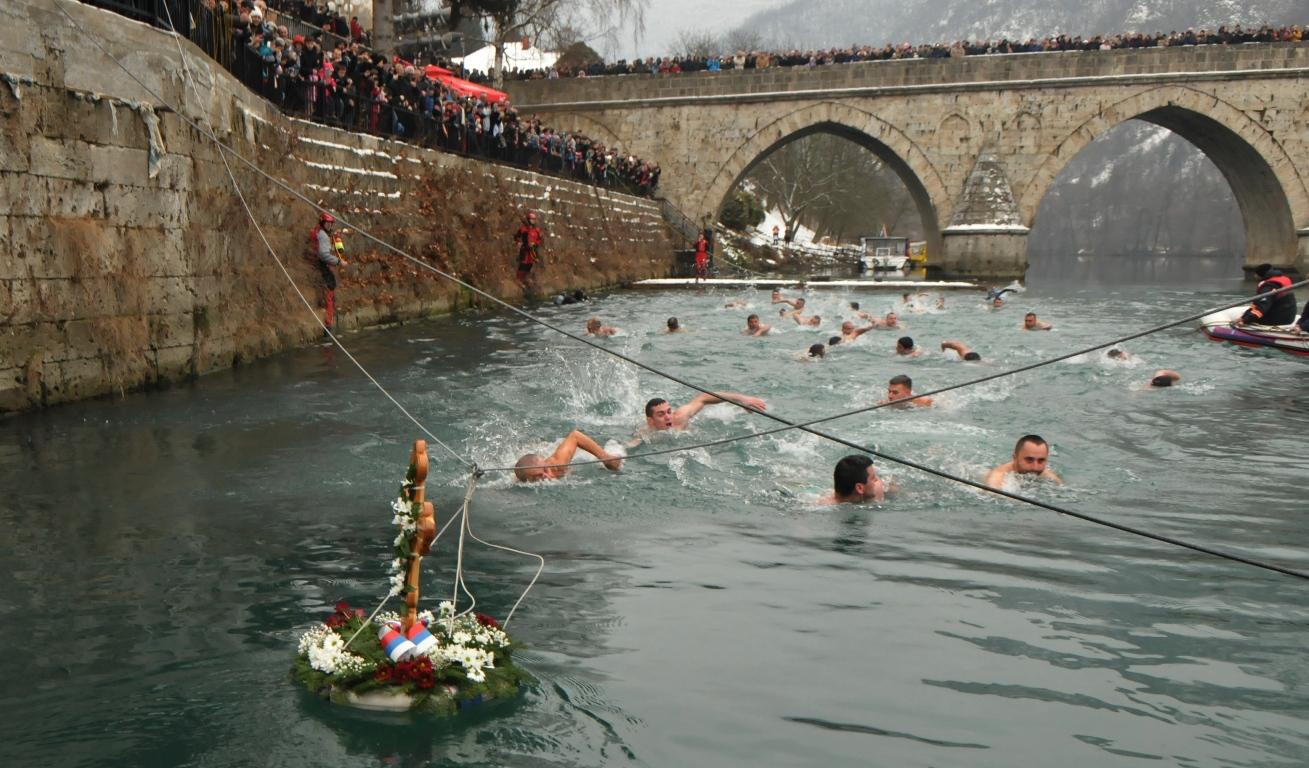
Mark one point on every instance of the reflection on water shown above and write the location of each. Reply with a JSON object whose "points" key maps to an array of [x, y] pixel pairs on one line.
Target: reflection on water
{"points": [[698, 609]]}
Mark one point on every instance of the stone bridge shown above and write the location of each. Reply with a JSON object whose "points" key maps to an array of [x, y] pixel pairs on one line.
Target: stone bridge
{"points": [[977, 140]]}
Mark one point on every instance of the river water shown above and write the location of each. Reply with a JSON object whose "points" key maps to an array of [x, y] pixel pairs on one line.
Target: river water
{"points": [[163, 551]]}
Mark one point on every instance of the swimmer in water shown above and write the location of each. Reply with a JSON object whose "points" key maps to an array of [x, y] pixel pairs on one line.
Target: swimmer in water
{"points": [[900, 392], [832, 341], [812, 320], [855, 481], [660, 414], [996, 296], [755, 328], [594, 328], [854, 306], [1031, 456], [797, 308], [904, 347], [890, 322], [534, 468], [1030, 323], [849, 332], [674, 326], [735, 303], [816, 352], [778, 298], [962, 349], [1164, 378]]}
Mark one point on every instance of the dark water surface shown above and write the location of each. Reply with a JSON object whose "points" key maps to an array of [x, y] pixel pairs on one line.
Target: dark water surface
{"points": [[162, 552]]}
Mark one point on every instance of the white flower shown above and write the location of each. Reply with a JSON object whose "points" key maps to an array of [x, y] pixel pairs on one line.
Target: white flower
{"points": [[397, 564], [461, 638], [446, 608], [475, 675]]}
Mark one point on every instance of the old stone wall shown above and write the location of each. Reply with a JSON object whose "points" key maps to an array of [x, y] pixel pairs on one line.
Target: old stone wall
{"points": [[977, 140], [126, 259]]}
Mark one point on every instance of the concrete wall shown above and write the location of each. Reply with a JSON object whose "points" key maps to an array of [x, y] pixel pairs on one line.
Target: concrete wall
{"points": [[126, 259], [977, 140]]}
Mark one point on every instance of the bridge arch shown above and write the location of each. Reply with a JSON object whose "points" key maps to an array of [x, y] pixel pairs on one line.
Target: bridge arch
{"points": [[885, 141], [1270, 194]]}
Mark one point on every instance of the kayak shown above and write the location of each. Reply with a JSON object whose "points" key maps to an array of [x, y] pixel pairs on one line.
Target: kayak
{"points": [[1222, 326]]}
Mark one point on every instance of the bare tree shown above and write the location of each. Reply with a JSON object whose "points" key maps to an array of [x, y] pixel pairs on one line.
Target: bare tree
{"points": [[741, 39], [536, 19], [695, 44], [835, 187]]}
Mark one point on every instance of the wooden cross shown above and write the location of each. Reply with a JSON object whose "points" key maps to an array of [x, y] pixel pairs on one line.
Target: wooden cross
{"points": [[425, 534]]}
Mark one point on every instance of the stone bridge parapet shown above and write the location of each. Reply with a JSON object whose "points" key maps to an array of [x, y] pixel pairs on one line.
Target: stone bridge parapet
{"points": [[978, 140]]}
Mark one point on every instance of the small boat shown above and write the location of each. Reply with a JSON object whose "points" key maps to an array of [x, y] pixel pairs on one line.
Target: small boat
{"points": [[883, 253], [1223, 326]]}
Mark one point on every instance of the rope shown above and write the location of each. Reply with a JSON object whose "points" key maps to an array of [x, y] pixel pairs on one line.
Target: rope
{"points": [[496, 300], [250, 214], [459, 556]]}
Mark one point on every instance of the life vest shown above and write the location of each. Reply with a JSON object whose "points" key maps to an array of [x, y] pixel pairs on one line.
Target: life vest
{"points": [[1279, 301]]}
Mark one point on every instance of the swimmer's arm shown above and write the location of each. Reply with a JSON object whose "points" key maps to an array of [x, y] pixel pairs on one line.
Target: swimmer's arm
{"points": [[995, 478], [683, 414], [583, 441], [1050, 475], [763, 329], [861, 331], [958, 346]]}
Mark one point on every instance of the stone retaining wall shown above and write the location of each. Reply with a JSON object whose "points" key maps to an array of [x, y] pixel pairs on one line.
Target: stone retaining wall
{"points": [[129, 262]]}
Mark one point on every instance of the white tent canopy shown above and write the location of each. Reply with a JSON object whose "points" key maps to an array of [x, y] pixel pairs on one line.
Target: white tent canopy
{"points": [[516, 57]]}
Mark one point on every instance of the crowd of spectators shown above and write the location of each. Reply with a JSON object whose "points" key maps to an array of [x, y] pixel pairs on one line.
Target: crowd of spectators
{"points": [[1223, 35], [337, 80]]}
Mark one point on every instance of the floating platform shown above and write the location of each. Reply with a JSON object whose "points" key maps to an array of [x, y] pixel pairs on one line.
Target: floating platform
{"points": [[768, 282]]}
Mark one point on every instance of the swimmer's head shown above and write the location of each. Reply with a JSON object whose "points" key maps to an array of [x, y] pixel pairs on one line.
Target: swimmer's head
{"points": [[904, 297], [891, 319], [1161, 381], [529, 469], [847, 327], [1029, 320], [1116, 354], [854, 305], [855, 479], [1031, 453], [659, 414], [997, 302], [899, 387], [673, 324], [904, 345], [799, 303], [972, 357], [593, 325], [814, 321], [817, 350], [832, 342], [752, 322]]}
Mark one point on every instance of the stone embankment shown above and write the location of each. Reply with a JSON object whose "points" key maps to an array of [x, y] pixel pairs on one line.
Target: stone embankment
{"points": [[128, 262]]}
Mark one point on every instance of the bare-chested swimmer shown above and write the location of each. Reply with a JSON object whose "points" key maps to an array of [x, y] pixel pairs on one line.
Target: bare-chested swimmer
{"points": [[595, 328], [1031, 457], [855, 481], [755, 328], [1164, 378], [965, 354], [1030, 323], [674, 326], [904, 347], [900, 391], [849, 332], [660, 415], [534, 468]]}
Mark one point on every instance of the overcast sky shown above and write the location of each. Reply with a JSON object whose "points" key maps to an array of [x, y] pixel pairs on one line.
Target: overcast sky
{"points": [[665, 18]]}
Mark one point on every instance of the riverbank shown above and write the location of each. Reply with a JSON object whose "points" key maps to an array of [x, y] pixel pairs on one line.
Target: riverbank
{"points": [[131, 263]]}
